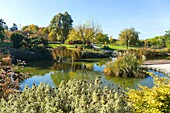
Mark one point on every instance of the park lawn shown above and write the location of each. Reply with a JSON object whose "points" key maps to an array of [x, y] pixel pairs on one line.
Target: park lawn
{"points": [[120, 47], [5, 44], [66, 45], [112, 46]]}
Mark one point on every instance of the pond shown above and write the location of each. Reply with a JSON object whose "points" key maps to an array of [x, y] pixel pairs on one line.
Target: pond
{"points": [[53, 73]]}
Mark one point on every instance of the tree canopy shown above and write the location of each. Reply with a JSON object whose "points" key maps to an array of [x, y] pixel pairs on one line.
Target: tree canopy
{"points": [[129, 36], [86, 32], [60, 24], [14, 27], [3, 26]]}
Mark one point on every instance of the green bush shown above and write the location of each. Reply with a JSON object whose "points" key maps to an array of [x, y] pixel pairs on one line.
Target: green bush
{"points": [[125, 66], [152, 100], [16, 39], [74, 96]]}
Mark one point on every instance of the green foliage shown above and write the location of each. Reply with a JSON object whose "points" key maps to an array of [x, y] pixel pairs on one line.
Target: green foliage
{"points": [[126, 65], [14, 27], [101, 38], [34, 41], [2, 29], [156, 42], [30, 28], [60, 26], [129, 37], [16, 39], [151, 53], [167, 38], [78, 96], [152, 100]]}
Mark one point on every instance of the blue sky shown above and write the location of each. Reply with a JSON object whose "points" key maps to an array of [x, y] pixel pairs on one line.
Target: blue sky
{"points": [[149, 17]]}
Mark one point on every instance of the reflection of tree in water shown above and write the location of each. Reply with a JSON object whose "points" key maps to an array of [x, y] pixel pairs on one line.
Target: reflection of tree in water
{"points": [[58, 76], [124, 82], [66, 67]]}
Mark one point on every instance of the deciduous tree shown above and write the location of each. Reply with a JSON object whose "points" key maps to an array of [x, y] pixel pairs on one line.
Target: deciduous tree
{"points": [[86, 32], [129, 37]]}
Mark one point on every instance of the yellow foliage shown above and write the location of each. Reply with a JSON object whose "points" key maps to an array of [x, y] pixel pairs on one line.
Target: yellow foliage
{"points": [[152, 100]]}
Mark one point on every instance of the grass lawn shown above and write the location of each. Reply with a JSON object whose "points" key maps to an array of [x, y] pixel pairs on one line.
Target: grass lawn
{"points": [[121, 47], [112, 46], [67, 45], [5, 44]]}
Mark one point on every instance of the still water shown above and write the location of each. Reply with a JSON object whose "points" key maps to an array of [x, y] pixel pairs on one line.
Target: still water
{"points": [[53, 73]]}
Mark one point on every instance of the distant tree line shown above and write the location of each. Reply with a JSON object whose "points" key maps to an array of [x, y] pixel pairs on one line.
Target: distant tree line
{"points": [[61, 29]]}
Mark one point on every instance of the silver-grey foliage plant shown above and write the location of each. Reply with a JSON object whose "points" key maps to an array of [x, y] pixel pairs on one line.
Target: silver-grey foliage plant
{"points": [[74, 96]]}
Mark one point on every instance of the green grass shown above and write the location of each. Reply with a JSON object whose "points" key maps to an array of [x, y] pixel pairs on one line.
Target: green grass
{"points": [[112, 46], [67, 45], [5, 44], [121, 47]]}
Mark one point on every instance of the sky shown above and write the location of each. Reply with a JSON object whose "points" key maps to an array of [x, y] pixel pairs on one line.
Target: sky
{"points": [[149, 17]]}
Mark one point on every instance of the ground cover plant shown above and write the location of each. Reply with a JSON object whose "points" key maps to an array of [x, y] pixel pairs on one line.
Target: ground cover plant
{"points": [[80, 96]]}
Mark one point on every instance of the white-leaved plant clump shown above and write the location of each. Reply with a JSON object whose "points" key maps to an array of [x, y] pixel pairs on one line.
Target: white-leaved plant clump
{"points": [[74, 96]]}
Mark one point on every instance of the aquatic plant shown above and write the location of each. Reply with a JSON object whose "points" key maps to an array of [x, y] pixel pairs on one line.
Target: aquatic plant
{"points": [[127, 65]]}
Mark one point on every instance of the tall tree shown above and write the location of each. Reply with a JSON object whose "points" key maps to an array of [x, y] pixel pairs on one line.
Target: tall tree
{"points": [[129, 37], [61, 24], [3, 26]]}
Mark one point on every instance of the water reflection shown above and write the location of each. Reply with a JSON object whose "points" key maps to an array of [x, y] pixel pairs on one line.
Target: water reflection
{"points": [[53, 73]]}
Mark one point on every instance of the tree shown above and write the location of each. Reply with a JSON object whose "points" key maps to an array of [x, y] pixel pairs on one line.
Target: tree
{"points": [[16, 39], [14, 28], [167, 38], [45, 33], [30, 30], [3, 26], [61, 24], [102, 38], [53, 36], [157, 42], [87, 32], [129, 37]]}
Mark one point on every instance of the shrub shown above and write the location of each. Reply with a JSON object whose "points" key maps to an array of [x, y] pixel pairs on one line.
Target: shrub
{"points": [[16, 39], [125, 66], [9, 79], [152, 100], [151, 53], [74, 96]]}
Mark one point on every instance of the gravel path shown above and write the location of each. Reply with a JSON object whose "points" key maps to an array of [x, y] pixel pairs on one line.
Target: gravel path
{"points": [[162, 65]]}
